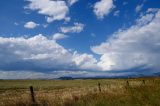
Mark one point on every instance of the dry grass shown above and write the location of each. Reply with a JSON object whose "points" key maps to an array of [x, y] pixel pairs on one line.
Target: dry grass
{"points": [[81, 92]]}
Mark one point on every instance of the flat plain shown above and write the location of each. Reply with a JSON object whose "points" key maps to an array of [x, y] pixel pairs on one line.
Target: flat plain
{"points": [[80, 92]]}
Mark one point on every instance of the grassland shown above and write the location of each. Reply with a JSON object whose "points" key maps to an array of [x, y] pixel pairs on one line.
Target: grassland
{"points": [[115, 92]]}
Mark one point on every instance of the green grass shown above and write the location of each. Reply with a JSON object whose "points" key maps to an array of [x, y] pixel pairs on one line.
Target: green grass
{"points": [[115, 92]]}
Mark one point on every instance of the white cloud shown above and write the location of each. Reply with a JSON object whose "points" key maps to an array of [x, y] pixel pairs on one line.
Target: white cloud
{"points": [[71, 2], [103, 8], [144, 19], [53, 10], [133, 47], [152, 10], [77, 28], [45, 25], [40, 54], [139, 8], [67, 19], [31, 25], [58, 36], [116, 13], [85, 61]]}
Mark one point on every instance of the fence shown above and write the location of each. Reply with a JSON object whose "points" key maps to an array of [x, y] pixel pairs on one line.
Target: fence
{"points": [[99, 89]]}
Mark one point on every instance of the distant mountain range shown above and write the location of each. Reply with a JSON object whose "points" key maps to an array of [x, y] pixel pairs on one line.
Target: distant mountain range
{"points": [[109, 77]]}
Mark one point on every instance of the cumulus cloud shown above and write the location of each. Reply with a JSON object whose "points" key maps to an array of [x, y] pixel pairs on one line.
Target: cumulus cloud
{"points": [[31, 25], [77, 28], [134, 47], [58, 36], [39, 53], [145, 19], [103, 8], [85, 61], [52, 9]]}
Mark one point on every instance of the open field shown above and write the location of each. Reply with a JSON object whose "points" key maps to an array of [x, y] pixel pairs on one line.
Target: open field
{"points": [[114, 92]]}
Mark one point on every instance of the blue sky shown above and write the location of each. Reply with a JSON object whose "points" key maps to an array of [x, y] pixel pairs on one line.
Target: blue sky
{"points": [[79, 38]]}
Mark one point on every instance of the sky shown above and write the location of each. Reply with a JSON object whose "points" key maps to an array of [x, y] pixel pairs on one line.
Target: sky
{"points": [[79, 38]]}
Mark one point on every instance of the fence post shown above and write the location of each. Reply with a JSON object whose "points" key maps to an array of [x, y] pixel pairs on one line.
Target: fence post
{"points": [[99, 87], [127, 83], [143, 82], [32, 94]]}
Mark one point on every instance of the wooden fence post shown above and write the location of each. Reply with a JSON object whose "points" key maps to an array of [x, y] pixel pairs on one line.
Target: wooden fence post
{"points": [[143, 82], [32, 94], [127, 83], [99, 87]]}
